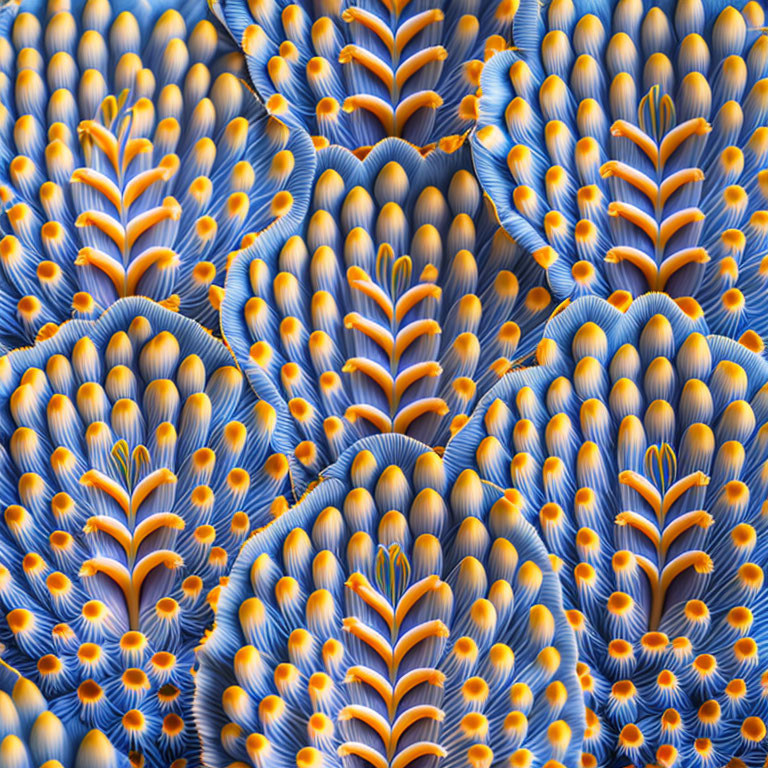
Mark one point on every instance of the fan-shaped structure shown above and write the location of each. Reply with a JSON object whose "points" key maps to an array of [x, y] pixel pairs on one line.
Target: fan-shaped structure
{"points": [[135, 461], [31, 735], [390, 308], [134, 161], [625, 146], [399, 615], [353, 73], [637, 448]]}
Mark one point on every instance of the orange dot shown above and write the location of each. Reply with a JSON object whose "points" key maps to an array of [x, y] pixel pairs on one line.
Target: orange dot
{"points": [[670, 720], [319, 722], [696, 610], [709, 712], [584, 573], [736, 689], [88, 653], [163, 660], [327, 107], [753, 729], [203, 457], [575, 619], [218, 557], [192, 586], [743, 535], [584, 497], [705, 664], [751, 575], [48, 270], [132, 641], [276, 465], [19, 620], [329, 380], [623, 690], [173, 725], [49, 665], [631, 736], [204, 272], [551, 512], [135, 679], [703, 747], [619, 603], [29, 307], [733, 299], [593, 724], [654, 641], [63, 632], [538, 298], [619, 649], [89, 692], [205, 534], [83, 302], [240, 523], [201, 495], [168, 693], [744, 649], [480, 755], [133, 720], [166, 607], [94, 610], [475, 688], [666, 679], [752, 341], [306, 452], [32, 562], [582, 271], [584, 231], [238, 479]]}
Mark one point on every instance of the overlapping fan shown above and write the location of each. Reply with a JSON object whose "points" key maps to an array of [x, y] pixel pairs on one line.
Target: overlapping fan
{"points": [[135, 460], [353, 73], [31, 735], [400, 615], [625, 147], [638, 449], [133, 161], [390, 308]]}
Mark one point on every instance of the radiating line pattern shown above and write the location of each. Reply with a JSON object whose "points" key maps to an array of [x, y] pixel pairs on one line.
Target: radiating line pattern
{"points": [[625, 147], [637, 448], [392, 307], [354, 73], [32, 735], [135, 461], [466, 482], [397, 616], [135, 161]]}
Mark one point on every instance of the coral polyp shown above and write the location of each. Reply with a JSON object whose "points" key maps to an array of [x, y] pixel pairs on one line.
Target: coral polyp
{"points": [[30, 734], [135, 462], [398, 614], [355, 73], [382, 384], [625, 146], [637, 448], [129, 166], [392, 307]]}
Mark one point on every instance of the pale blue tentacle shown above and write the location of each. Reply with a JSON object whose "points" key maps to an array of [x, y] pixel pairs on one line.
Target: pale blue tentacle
{"points": [[399, 614], [637, 449], [135, 462], [392, 307], [136, 161], [624, 147]]}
